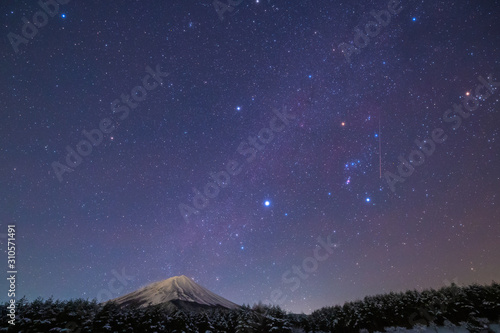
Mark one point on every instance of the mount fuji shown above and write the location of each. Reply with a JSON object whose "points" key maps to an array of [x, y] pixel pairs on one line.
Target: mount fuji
{"points": [[175, 293]]}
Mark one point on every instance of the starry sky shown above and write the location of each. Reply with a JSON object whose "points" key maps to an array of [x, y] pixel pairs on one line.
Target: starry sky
{"points": [[184, 93]]}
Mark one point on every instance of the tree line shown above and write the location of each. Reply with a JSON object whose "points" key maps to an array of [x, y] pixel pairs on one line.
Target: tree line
{"points": [[473, 306]]}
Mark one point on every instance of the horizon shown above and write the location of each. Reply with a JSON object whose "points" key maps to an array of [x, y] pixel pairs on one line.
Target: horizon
{"points": [[251, 305]]}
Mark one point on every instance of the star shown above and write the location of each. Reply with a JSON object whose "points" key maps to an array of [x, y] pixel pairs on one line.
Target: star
{"points": [[267, 203]]}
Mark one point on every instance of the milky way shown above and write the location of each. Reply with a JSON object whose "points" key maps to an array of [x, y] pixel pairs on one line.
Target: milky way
{"points": [[240, 145]]}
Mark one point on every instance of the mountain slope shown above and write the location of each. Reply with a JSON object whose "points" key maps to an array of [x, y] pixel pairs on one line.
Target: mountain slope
{"points": [[178, 292]]}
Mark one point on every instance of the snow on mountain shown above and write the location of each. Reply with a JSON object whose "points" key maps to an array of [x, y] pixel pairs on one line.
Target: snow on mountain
{"points": [[179, 291]]}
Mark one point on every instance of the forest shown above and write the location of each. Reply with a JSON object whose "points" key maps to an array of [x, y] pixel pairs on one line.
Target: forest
{"points": [[473, 307]]}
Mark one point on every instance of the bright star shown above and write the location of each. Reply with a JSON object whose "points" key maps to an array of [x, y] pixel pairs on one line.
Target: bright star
{"points": [[267, 203], [238, 108], [414, 19], [368, 199], [63, 15]]}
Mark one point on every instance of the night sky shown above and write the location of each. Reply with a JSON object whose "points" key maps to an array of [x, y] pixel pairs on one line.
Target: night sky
{"points": [[264, 90]]}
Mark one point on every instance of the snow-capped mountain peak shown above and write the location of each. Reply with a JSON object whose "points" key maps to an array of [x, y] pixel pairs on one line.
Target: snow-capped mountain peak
{"points": [[176, 290]]}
